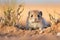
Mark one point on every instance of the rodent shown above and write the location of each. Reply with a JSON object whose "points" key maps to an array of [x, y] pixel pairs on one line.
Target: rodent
{"points": [[35, 20]]}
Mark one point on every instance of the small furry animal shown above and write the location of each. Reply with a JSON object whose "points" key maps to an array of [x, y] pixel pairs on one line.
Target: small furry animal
{"points": [[35, 20]]}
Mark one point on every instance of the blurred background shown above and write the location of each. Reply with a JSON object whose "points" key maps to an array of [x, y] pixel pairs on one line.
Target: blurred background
{"points": [[30, 1], [46, 6]]}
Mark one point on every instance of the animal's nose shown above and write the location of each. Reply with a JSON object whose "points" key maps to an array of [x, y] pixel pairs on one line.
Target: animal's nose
{"points": [[36, 19]]}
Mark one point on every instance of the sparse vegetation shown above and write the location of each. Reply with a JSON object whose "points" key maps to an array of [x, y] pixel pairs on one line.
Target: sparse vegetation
{"points": [[54, 20], [11, 19], [11, 16]]}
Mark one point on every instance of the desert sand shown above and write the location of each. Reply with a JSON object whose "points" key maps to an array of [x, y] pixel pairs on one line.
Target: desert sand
{"points": [[14, 33]]}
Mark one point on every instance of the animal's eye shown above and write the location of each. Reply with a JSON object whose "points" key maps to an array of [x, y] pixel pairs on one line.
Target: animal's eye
{"points": [[31, 15], [38, 15]]}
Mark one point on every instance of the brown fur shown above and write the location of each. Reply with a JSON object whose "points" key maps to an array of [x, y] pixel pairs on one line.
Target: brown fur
{"points": [[35, 20]]}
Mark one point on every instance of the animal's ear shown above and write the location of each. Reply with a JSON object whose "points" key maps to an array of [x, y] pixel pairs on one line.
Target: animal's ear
{"points": [[40, 13], [28, 13]]}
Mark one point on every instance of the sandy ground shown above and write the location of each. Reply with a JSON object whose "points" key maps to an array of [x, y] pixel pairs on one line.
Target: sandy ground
{"points": [[34, 37], [50, 33], [13, 33]]}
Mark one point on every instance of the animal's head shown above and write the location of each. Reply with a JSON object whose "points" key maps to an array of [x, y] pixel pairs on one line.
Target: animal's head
{"points": [[35, 15]]}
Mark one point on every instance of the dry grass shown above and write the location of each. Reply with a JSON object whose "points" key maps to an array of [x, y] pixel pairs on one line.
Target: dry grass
{"points": [[11, 16], [10, 20]]}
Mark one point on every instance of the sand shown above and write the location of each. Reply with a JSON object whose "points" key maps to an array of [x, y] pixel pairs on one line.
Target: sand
{"points": [[14, 33]]}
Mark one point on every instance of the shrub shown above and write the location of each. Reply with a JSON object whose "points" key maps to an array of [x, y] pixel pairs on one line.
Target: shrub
{"points": [[12, 17]]}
